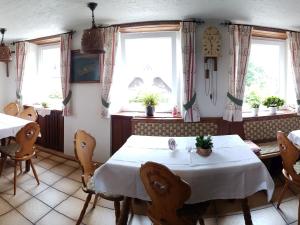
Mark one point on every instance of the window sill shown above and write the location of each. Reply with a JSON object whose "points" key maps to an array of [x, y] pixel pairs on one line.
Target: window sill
{"points": [[143, 116], [267, 114]]}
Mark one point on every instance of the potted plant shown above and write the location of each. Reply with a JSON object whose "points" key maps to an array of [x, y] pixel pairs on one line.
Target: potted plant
{"points": [[45, 104], [150, 101], [204, 145], [254, 101], [273, 102]]}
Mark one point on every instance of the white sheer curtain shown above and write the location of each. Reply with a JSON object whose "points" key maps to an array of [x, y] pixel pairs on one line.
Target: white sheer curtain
{"points": [[188, 42], [65, 67], [239, 44], [294, 44]]}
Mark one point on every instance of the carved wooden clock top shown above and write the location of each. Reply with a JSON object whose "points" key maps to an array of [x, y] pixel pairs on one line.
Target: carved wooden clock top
{"points": [[211, 42]]}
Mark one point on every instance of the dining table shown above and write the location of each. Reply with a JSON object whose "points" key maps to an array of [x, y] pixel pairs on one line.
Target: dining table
{"points": [[231, 171], [9, 127]]}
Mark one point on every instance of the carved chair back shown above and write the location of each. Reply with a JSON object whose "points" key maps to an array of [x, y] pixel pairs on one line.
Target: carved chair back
{"points": [[84, 145], [29, 114], [289, 154], [167, 192], [11, 109], [26, 138]]}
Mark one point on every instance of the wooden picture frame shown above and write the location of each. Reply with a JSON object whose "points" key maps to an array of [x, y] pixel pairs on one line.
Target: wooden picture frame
{"points": [[85, 68]]}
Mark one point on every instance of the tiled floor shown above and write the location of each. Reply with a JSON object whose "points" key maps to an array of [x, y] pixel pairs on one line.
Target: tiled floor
{"points": [[59, 199]]}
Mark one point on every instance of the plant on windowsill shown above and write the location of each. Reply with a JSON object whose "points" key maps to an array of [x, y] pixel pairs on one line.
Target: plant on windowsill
{"points": [[254, 101], [150, 100], [273, 102], [204, 145], [45, 105]]}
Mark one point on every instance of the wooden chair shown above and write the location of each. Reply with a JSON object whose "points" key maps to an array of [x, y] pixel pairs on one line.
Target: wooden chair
{"points": [[168, 193], [11, 109], [84, 148], [29, 114], [290, 155], [22, 150]]}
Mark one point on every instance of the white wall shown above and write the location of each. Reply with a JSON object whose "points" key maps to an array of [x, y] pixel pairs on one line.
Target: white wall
{"points": [[86, 99]]}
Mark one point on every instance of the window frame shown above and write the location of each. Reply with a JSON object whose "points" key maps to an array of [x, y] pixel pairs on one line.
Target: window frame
{"points": [[175, 81], [284, 70]]}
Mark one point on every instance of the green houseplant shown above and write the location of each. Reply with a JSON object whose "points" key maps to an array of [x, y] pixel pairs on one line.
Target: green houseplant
{"points": [[273, 102], [204, 145], [254, 101], [150, 100]]}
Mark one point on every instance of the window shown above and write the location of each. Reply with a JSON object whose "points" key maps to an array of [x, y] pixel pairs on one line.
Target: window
{"points": [[42, 80], [269, 72], [149, 60]]}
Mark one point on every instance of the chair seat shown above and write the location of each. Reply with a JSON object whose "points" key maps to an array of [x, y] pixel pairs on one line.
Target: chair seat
{"points": [[90, 188], [10, 150], [269, 150]]}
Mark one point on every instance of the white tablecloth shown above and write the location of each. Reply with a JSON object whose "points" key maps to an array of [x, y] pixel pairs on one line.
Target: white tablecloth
{"points": [[10, 125], [294, 137], [232, 171]]}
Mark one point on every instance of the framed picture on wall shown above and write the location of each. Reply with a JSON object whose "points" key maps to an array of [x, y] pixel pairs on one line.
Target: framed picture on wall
{"points": [[85, 68]]}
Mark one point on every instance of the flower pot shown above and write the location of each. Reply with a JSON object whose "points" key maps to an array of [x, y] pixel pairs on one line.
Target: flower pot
{"points": [[150, 110], [255, 111], [273, 110], [204, 152]]}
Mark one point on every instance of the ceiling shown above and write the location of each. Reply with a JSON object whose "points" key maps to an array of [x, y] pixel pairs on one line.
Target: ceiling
{"points": [[25, 19]]}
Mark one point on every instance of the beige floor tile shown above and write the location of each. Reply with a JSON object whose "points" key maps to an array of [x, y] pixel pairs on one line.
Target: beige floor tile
{"points": [[39, 170], [140, 220], [16, 200], [267, 216], [52, 197], [55, 218], [296, 223], [47, 163], [4, 206], [5, 184], [57, 159], [33, 210], [32, 187], [72, 208], [37, 158], [13, 218], [209, 221], [49, 177], [62, 170], [100, 215], [76, 175], [289, 210], [74, 164], [67, 186], [81, 194], [43, 154]]}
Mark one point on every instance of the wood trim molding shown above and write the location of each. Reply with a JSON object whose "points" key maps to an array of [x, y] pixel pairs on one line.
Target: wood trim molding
{"points": [[150, 27], [269, 33]]}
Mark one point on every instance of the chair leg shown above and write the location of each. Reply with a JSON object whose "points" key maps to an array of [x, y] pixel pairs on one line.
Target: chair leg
{"points": [[88, 199], [286, 185], [15, 176], [95, 200], [3, 160], [201, 221], [34, 172], [117, 210]]}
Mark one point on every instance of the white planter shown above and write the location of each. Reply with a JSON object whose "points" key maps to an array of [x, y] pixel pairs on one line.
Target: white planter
{"points": [[273, 110], [255, 111]]}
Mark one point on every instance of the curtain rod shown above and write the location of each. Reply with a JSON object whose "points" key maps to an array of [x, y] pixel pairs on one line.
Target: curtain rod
{"points": [[227, 23], [197, 21], [47, 37]]}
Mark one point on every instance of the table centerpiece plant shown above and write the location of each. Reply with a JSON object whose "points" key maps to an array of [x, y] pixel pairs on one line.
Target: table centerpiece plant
{"points": [[204, 145], [273, 102], [150, 100]]}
